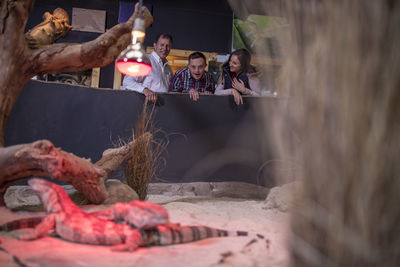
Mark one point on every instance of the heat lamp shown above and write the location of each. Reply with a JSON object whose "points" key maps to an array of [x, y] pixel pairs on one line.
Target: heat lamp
{"points": [[133, 61]]}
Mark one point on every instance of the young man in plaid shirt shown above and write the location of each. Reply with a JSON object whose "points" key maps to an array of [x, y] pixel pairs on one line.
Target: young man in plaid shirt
{"points": [[194, 79]]}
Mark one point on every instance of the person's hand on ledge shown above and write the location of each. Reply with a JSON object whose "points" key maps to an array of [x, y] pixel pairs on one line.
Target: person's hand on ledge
{"points": [[150, 95], [239, 85], [194, 95], [237, 97]]}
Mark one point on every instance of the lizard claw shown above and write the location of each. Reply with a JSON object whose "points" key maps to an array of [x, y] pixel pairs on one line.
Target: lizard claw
{"points": [[124, 247], [27, 236], [132, 242]]}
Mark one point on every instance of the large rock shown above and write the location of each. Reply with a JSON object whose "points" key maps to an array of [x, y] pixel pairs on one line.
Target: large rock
{"points": [[119, 192], [18, 196], [22, 196], [281, 197], [210, 189]]}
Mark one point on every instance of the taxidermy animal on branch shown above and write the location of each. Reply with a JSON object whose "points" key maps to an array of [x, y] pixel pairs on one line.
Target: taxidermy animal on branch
{"points": [[53, 27]]}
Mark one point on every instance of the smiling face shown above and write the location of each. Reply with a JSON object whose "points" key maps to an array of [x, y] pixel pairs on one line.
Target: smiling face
{"points": [[234, 64], [197, 67], [162, 47]]}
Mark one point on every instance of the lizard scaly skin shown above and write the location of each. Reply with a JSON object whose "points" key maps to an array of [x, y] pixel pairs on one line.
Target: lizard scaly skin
{"points": [[73, 224], [171, 234], [137, 213]]}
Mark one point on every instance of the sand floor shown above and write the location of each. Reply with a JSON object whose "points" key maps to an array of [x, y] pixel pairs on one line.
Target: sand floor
{"points": [[225, 213]]}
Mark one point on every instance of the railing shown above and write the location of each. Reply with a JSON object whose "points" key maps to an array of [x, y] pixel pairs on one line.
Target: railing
{"points": [[212, 139]]}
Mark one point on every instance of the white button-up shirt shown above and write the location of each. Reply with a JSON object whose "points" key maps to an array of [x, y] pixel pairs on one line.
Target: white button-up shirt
{"points": [[157, 80]]}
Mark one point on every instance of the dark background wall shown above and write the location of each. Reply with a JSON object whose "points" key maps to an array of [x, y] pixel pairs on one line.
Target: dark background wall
{"points": [[209, 140], [203, 25]]}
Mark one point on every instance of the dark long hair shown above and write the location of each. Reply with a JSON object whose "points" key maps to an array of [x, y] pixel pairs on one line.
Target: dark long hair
{"points": [[244, 59]]}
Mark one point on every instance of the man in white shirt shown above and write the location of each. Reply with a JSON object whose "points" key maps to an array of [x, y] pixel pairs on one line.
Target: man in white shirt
{"points": [[159, 78]]}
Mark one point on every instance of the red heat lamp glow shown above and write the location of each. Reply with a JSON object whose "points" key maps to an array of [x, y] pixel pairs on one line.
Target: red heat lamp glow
{"points": [[133, 61], [133, 68]]}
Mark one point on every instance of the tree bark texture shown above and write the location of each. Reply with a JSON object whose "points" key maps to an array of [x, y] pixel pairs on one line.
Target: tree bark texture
{"points": [[19, 62], [41, 158]]}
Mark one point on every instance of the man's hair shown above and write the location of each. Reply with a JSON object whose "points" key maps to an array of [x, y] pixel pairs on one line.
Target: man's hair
{"points": [[195, 55], [163, 35]]}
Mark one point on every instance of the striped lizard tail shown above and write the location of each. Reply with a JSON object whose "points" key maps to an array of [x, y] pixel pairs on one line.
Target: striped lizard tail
{"points": [[31, 222], [172, 234]]}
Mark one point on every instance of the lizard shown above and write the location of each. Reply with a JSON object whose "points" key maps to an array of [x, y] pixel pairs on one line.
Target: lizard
{"points": [[30, 222], [73, 224], [138, 214], [70, 222]]}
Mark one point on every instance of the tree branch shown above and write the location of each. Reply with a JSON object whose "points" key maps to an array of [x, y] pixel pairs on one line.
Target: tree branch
{"points": [[19, 10], [43, 159], [97, 53]]}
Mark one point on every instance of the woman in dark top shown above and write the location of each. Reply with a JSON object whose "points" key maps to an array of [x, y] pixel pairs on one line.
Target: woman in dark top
{"points": [[234, 80]]}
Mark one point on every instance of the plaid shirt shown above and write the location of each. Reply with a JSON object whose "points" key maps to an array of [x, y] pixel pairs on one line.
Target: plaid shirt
{"points": [[183, 82]]}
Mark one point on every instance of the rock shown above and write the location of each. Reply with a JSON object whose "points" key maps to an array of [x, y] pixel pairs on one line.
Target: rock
{"points": [[281, 197], [17, 196], [119, 192], [169, 189], [22, 196], [238, 190], [197, 189], [212, 189]]}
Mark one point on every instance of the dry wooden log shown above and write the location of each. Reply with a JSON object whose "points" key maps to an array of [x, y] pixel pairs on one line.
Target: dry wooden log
{"points": [[41, 158], [53, 27]]}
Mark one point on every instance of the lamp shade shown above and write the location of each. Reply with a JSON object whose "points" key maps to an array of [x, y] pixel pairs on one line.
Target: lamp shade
{"points": [[133, 61]]}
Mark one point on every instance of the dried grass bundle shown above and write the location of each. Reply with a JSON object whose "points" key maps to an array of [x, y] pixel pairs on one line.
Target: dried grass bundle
{"points": [[144, 158]]}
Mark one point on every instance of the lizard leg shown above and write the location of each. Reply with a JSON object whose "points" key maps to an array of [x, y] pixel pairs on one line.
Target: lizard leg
{"points": [[173, 225], [45, 227], [104, 214], [132, 242], [141, 214]]}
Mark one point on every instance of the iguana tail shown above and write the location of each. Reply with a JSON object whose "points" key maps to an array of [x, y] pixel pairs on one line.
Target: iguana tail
{"points": [[21, 223], [171, 234]]}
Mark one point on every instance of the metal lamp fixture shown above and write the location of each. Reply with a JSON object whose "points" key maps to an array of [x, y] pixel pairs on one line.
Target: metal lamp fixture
{"points": [[133, 61]]}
